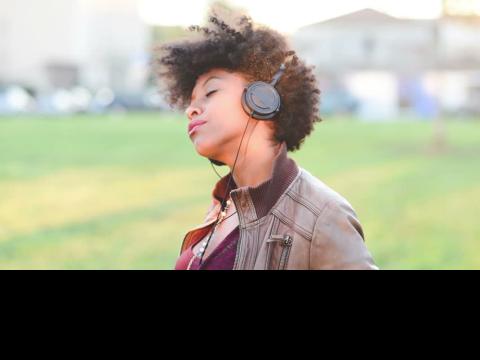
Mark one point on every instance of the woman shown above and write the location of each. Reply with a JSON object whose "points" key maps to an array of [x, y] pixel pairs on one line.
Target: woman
{"points": [[267, 213]]}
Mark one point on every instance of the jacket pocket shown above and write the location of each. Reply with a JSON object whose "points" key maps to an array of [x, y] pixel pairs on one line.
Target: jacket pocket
{"points": [[278, 251]]}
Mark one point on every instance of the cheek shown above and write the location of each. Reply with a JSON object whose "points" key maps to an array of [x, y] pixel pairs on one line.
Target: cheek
{"points": [[226, 122], [227, 115], [228, 108]]}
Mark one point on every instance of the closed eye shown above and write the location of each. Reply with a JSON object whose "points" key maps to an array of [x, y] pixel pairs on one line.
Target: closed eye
{"points": [[211, 92]]}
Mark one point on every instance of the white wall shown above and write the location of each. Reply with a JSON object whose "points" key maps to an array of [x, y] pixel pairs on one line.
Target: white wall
{"points": [[377, 92], [396, 45], [36, 32]]}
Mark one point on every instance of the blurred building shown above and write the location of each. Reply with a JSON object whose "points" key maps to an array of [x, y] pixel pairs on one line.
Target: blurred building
{"points": [[369, 63], [389, 66], [53, 44]]}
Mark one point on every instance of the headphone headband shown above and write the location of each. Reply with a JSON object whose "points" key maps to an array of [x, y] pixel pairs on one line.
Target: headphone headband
{"points": [[278, 75]]}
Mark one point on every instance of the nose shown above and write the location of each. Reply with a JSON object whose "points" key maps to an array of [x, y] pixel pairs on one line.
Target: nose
{"points": [[192, 111]]}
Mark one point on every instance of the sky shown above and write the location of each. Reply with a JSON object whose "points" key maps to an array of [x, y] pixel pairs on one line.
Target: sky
{"points": [[282, 15]]}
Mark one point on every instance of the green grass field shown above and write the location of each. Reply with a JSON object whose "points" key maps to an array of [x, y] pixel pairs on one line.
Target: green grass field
{"points": [[119, 192]]}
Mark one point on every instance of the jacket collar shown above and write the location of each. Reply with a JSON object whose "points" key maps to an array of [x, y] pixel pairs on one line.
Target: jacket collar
{"points": [[254, 203]]}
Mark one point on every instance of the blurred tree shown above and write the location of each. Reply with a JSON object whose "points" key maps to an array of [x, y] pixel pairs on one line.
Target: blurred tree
{"points": [[465, 9], [225, 6], [161, 34], [439, 141]]}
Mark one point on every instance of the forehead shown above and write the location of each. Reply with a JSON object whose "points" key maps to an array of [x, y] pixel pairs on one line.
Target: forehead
{"points": [[215, 74]]}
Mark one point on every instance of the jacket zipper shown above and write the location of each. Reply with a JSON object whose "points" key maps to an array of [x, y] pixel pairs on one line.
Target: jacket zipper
{"points": [[286, 242], [237, 255]]}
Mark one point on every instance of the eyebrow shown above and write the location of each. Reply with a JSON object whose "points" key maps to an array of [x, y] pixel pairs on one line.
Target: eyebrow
{"points": [[210, 78]]}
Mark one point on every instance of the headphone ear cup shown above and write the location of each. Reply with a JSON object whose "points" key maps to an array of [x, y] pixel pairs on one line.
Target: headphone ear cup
{"points": [[262, 99]]}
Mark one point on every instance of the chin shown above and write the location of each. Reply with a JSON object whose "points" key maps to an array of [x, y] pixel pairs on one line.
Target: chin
{"points": [[204, 148]]}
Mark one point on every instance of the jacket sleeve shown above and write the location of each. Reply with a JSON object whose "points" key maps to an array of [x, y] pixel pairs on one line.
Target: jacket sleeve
{"points": [[338, 241]]}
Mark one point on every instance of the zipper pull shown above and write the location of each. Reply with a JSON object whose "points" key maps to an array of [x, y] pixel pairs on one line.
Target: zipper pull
{"points": [[285, 240]]}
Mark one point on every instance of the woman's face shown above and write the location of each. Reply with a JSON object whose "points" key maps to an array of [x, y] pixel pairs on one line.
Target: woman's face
{"points": [[216, 100]]}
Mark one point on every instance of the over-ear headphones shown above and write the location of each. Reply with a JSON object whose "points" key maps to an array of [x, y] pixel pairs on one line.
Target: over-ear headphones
{"points": [[261, 100]]}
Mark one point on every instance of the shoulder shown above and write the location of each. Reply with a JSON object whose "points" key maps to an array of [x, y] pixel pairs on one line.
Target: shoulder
{"points": [[316, 194], [338, 240], [309, 201]]}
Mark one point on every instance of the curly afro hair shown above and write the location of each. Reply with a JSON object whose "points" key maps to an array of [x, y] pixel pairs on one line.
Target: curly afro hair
{"points": [[254, 51]]}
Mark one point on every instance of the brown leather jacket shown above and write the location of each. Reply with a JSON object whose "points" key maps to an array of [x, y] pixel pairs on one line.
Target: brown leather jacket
{"points": [[293, 221]]}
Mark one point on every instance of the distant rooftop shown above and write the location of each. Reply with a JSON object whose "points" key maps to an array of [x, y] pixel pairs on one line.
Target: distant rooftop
{"points": [[362, 16]]}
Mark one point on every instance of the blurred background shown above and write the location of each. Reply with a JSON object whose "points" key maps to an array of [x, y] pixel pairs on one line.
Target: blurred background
{"points": [[97, 172]]}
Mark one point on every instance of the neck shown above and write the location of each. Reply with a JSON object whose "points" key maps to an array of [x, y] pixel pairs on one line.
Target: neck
{"points": [[255, 162]]}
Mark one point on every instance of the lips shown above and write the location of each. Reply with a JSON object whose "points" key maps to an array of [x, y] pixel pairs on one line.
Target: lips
{"points": [[195, 124]]}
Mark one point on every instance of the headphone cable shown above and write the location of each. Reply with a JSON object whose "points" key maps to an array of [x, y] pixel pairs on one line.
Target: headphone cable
{"points": [[226, 192]]}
